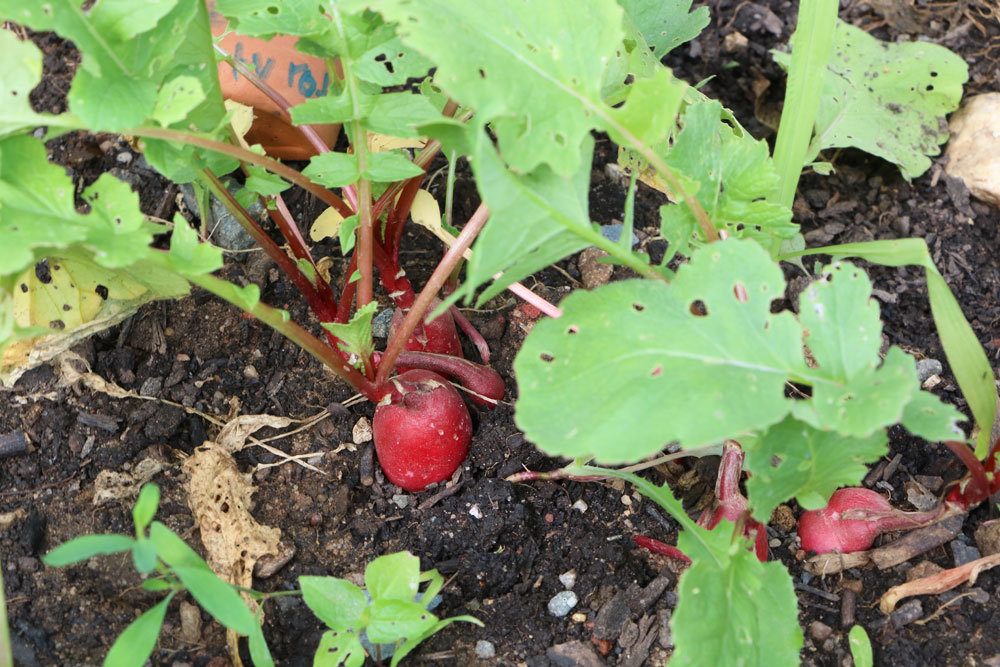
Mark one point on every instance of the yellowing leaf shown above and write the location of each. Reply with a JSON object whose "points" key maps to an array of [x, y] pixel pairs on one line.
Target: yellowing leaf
{"points": [[327, 225], [425, 211], [241, 118], [379, 143]]}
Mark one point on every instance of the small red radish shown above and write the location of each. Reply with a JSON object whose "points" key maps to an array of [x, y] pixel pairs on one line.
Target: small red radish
{"points": [[852, 520], [439, 336], [421, 429]]}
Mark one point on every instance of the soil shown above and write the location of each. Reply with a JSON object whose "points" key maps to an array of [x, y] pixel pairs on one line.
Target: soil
{"points": [[501, 546]]}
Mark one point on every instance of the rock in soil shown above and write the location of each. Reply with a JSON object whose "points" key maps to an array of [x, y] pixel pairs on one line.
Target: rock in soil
{"points": [[562, 603], [594, 273], [485, 650], [974, 149], [573, 654], [988, 537]]}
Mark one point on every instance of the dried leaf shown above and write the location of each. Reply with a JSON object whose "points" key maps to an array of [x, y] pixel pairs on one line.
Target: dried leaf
{"points": [[937, 583], [110, 486], [219, 498], [233, 436]]}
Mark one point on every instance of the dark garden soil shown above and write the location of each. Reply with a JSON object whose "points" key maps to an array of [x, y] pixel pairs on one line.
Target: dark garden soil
{"points": [[502, 546]]}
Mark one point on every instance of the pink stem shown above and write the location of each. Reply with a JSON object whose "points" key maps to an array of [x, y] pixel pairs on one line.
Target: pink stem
{"points": [[538, 302], [483, 380], [437, 280], [472, 332]]}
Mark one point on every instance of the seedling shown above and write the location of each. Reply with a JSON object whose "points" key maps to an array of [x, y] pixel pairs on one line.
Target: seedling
{"points": [[391, 611]]}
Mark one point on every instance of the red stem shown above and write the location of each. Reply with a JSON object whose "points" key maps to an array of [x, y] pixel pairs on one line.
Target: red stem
{"points": [[347, 294], [429, 293], [978, 488], [661, 548], [472, 332]]}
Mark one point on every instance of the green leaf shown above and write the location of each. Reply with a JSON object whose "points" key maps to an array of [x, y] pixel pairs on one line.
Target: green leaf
{"points": [[705, 377], [339, 648], [413, 642], [262, 182], [176, 99], [391, 620], [845, 334], [390, 167], [965, 355], [145, 507], [393, 577], [117, 231], [331, 109], [861, 647], [399, 114], [391, 63], [188, 255], [259, 651], [666, 24], [535, 219], [732, 609], [794, 460], [86, 547], [266, 18], [650, 110], [345, 233], [531, 70], [888, 99], [136, 643], [337, 602], [157, 585], [20, 74], [124, 19], [218, 598], [930, 418], [333, 170], [144, 556], [731, 174], [355, 337]]}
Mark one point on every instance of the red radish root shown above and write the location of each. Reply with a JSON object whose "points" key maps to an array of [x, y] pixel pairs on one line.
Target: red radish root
{"points": [[439, 336], [421, 429], [852, 520], [485, 384], [662, 548]]}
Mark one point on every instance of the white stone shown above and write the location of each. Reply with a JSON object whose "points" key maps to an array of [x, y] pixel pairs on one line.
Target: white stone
{"points": [[362, 431], [974, 150]]}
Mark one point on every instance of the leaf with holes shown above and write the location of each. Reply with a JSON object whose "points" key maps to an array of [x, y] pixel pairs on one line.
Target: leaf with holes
{"points": [[888, 99], [733, 609], [794, 460], [704, 354], [731, 174], [531, 70], [21, 72], [665, 25]]}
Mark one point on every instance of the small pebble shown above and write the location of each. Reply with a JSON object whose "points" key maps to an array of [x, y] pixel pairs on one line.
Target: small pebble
{"points": [[124, 158], [251, 373], [568, 579], [581, 506], [988, 537], [485, 650], [362, 431], [579, 617], [774, 543], [380, 323], [820, 631], [402, 502], [475, 512], [928, 367], [562, 603], [964, 553], [907, 613]]}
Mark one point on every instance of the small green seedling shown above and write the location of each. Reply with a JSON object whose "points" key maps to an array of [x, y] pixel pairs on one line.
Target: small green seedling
{"points": [[861, 647], [173, 567], [389, 617], [390, 614]]}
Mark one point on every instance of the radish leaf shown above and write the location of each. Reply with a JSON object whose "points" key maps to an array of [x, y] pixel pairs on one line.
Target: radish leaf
{"points": [[794, 460], [887, 99]]}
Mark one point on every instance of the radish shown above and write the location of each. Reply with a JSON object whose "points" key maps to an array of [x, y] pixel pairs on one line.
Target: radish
{"points": [[438, 336], [852, 520], [421, 429]]}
